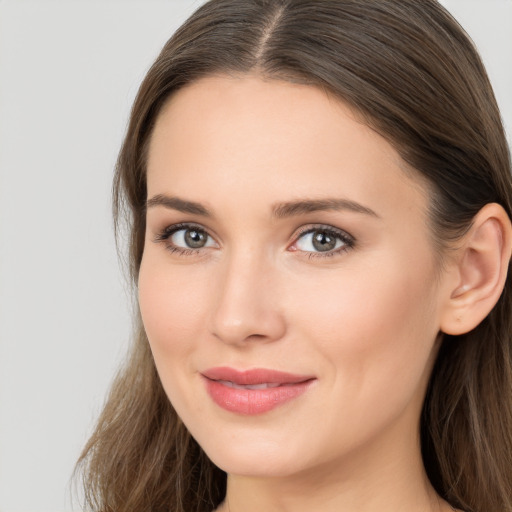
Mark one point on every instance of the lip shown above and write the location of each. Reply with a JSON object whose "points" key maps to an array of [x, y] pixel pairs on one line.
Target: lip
{"points": [[254, 391]]}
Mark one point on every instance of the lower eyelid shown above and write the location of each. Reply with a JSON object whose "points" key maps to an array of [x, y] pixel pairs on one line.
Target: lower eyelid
{"points": [[327, 254], [181, 251], [165, 235]]}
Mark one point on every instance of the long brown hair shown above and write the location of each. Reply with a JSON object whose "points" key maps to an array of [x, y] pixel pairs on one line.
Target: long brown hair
{"points": [[414, 76]]}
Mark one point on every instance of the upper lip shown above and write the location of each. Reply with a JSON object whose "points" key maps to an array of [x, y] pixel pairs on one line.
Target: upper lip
{"points": [[254, 376]]}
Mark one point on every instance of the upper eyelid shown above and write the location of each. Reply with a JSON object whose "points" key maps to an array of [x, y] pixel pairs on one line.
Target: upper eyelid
{"points": [[297, 232], [325, 227], [169, 230], [164, 235], [174, 228]]}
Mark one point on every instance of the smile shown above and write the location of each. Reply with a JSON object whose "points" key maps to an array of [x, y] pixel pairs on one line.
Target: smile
{"points": [[254, 391]]}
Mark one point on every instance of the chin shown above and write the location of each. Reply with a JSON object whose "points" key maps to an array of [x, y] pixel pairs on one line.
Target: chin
{"points": [[252, 465], [257, 457]]}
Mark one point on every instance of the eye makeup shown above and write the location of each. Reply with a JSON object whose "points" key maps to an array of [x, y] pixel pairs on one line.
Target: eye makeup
{"points": [[315, 241]]}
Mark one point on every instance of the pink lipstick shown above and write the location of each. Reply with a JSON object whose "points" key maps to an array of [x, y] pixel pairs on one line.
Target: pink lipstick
{"points": [[253, 391]]}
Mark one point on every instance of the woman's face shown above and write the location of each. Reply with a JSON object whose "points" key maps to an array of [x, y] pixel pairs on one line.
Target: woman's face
{"points": [[288, 286]]}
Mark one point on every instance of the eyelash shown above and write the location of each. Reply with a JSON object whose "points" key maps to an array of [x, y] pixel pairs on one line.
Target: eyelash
{"points": [[347, 240], [167, 233]]}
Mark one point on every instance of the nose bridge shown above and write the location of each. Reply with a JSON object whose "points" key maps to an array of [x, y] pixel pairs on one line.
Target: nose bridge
{"points": [[246, 305]]}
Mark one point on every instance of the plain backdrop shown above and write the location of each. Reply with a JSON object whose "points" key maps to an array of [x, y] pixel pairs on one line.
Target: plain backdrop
{"points": [[69, 71]]}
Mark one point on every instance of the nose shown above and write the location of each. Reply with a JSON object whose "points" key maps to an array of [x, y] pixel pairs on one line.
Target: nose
{"points": [[247, 305]]}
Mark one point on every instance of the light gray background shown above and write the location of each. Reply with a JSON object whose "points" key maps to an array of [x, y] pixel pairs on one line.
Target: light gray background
{"points": [[69, 71]]}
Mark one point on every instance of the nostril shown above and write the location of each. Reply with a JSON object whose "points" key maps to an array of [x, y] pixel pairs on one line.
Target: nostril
{"points": [[262, 327], [255, 337]]}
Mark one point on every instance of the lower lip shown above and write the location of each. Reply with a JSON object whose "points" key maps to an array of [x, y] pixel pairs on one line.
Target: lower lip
{"points": [[253, 401]]}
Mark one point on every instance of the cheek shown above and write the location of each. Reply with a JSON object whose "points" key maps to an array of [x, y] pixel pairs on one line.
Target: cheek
{"points": [[172, 307], [376, 336], [376, 325], [172, 303]]}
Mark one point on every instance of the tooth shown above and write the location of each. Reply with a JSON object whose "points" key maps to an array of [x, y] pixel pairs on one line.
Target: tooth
{"points": [[257, 386], [227, 383], [264, 385]]}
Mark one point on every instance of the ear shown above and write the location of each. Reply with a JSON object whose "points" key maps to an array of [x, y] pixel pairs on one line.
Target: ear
{"points": [[480, 267]]}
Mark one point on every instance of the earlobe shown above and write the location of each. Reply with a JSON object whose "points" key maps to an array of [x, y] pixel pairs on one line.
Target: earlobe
{"points": [[481, 265]]}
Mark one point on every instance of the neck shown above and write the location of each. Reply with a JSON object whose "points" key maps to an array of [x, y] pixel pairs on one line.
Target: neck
{"points": [[371, 480], [304, 495]]}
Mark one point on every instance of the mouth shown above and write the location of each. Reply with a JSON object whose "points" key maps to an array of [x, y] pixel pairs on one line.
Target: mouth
{"points": [[253, 391]]}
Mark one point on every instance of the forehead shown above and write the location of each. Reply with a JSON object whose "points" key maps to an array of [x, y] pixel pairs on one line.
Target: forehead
{"points": [[249, 137]]}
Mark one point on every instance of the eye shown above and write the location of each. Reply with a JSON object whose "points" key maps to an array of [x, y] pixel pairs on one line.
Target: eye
{"points": [[325, 241], [185, 237], [191, 238]]}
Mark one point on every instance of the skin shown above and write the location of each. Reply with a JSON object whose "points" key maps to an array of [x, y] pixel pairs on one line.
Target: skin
{"points": [[364, 321]]}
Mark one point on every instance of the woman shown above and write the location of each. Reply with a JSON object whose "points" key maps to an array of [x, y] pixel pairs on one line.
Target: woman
{"points": [[318, 195]]}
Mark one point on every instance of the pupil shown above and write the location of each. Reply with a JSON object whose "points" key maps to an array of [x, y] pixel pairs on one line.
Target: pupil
{"points": [[195, 239], [323, 242]]}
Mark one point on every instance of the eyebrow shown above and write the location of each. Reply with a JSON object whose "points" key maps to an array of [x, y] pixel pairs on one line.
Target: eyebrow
{"points": [[280, 210], [302, 207], [181, 205]]}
